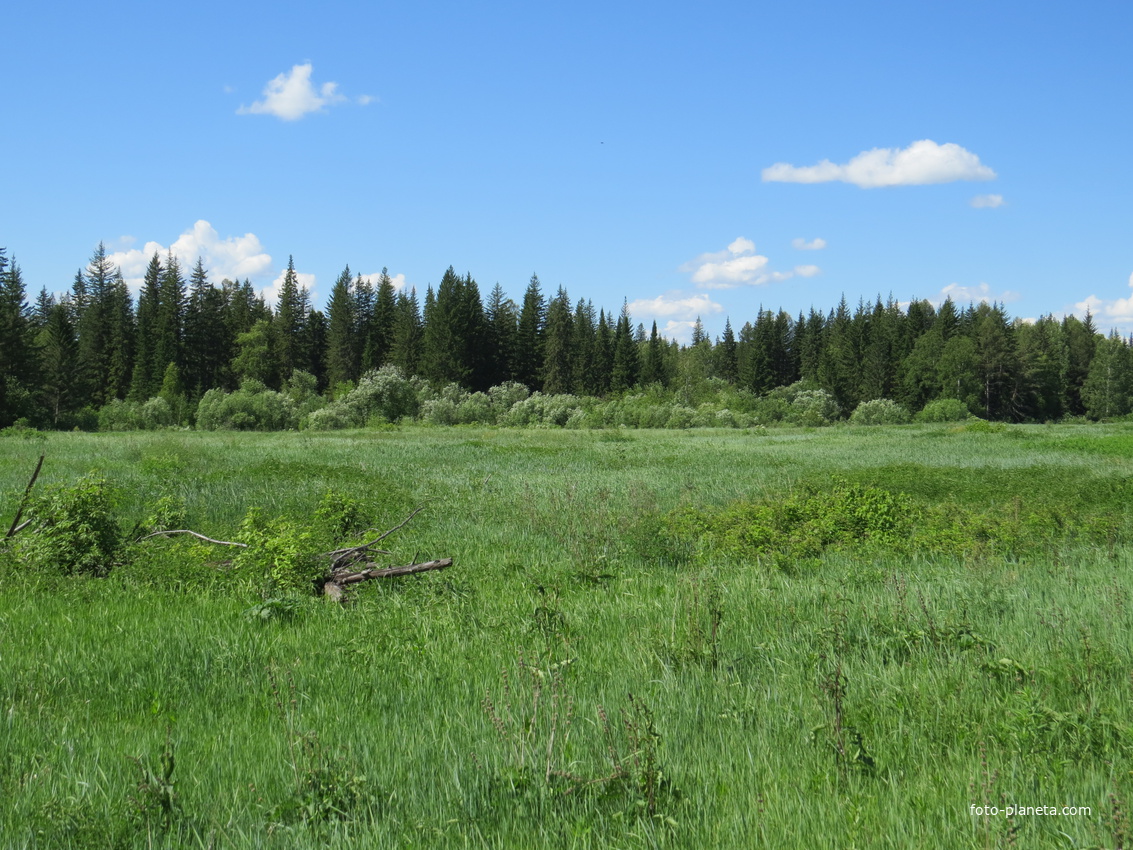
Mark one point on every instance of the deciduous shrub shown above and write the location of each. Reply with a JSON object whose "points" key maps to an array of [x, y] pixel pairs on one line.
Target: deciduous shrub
{"points": [[879, 411], [944, 410], [384, 395], [74, 530], [253, 407]]}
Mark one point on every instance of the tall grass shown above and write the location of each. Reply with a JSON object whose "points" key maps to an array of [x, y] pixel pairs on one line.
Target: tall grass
{"points": [[864, 697]]}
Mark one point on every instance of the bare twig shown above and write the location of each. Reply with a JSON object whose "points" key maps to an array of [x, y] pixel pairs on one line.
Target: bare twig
{"points": [[194, 534], [16, 527], [343, 557]]}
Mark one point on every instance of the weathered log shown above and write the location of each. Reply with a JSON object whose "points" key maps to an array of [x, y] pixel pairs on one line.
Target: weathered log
{"points": [[335, 586]]}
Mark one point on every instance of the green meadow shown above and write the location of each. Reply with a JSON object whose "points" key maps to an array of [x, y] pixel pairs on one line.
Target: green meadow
{"points": [[838, 637]]}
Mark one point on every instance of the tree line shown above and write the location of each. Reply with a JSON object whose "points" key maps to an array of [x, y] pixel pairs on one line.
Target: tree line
{"points": [[63, 359]]}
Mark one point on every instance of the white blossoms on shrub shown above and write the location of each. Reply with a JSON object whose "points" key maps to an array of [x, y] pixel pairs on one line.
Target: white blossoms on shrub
{"points": [[880, 411]]}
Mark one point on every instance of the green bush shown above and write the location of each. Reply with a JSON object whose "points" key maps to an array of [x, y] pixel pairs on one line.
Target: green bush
{"points": [[279, 551], [944, 410], [253, 407], [74, 529], [879, 411], [383, 395], [119, 415]]}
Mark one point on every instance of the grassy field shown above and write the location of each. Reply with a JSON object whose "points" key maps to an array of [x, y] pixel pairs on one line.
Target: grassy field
{"points": [[844, 637]]}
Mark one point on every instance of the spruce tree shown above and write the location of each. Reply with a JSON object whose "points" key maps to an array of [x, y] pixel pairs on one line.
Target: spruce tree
{"points": [[582, 345], [142, 385], [169, 330], [405, 349], [502, 321], [558, 354], [626, 366], [59, 361], [383, 318], [343, 359], [603, 355], [18, 362], [529, 336], [290, 316]]}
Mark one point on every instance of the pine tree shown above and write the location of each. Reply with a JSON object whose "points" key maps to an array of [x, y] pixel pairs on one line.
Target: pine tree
{"points": [[170, 326], [626, 365], [343, 360], [315, 330], [121, 336], [209, 343], [94, 299], [290, 315], [1082, 341], [1108, 389], [59, 361], [529, 336], [603, 355], [405, 351], [142, 384], [384, 315], [582, 349], [502, 317], [18, 362], [653, 363], [726, 354], [558, 353]]}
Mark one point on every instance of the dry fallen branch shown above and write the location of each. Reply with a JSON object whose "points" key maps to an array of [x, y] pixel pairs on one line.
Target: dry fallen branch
{"points": [[345, 557], [17, 526], [342, 571], [335, 586], [194, 534]]}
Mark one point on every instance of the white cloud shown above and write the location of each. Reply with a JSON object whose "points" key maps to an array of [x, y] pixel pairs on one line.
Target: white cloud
{"points": [[1117, 312], [680, 331], [234, 257], [987, 202], [980, 292], [919, 164], [672, 305], [271, 292], [738, 264], [374, 278], [292, 95], [802, 245], [365, 99]]}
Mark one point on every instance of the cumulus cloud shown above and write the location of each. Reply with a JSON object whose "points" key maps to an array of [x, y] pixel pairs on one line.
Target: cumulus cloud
{"points": [[813, 245], [292, 95], [674, 306], [271, 292], [374, 278], [232, 257], [980, 292], [1115, 312], [987, 202], [921, 163], [736, 265]]}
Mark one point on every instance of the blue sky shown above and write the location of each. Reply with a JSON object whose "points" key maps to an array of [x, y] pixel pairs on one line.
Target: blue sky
{"points": [[695, 159]]}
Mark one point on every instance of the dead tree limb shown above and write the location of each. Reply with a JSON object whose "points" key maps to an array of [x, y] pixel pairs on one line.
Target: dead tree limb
{"points": [[352, 554], [194, 534], [335, 586], [343, 569], [16, 527]]}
